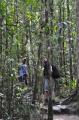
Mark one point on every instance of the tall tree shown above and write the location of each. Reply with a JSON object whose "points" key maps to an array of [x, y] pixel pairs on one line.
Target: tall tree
{"points": [[77, 16], [69, 38], [1, 85]]}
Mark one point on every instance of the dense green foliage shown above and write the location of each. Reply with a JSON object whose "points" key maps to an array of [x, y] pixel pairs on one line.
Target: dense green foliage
{"points": [[36, 29]]}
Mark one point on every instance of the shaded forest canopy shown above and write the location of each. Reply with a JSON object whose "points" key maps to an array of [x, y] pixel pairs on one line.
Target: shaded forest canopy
{"points": [[36, 29]]}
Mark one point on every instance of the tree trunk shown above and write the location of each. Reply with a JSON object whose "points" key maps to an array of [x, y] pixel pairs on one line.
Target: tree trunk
{"points": [[70, 41], [1, 85], [77, 17], [60, 33]]}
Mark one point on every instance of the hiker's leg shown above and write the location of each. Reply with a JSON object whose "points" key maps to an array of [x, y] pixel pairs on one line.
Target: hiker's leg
{"points": [[46, 90], [20, 79], [25, 78], [23, 84], [26, 81], [52, 86], [46, 95]]}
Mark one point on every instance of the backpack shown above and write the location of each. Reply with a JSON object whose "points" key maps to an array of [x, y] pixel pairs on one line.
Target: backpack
{"points": [[55, 72]]}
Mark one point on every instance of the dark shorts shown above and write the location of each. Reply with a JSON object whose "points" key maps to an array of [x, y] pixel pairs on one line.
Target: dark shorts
{"points": [[23, 78]]}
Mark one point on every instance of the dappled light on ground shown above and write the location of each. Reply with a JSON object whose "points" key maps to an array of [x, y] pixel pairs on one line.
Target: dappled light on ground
{"points": [[66, 117]]}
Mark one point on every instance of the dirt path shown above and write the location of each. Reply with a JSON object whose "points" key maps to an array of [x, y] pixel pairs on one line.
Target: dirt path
{"points": [[65, 117]]}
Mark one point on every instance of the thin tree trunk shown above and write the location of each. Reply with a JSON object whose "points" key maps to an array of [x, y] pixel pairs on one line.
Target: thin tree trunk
{"points": [[70, 41], [6, 54], [77, 17], [59, 38], [16, 26], [64, 61], [1, 85]]}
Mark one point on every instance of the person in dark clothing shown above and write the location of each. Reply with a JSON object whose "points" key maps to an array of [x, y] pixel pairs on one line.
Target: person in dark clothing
{"points": [[46, 79], [49, 71]]}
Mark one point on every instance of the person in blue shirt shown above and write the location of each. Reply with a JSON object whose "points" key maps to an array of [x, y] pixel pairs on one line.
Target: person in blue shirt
{"points": [[23, 72]]}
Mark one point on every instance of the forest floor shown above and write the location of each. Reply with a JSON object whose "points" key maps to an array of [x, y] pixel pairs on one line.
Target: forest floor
{"points": [[66, 117], [61, 116], [61, 111]]}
